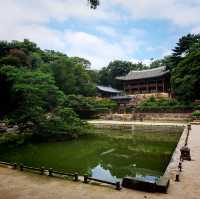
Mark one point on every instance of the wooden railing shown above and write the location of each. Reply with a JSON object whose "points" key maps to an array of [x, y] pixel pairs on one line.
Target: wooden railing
{"points": [[116, 184], [52, 172]]}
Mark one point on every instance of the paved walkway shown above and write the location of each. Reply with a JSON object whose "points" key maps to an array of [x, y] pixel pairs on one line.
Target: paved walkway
{"points": [[17, 185]]}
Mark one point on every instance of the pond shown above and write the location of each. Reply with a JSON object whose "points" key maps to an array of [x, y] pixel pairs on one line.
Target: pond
{"points": [[105, 154]]}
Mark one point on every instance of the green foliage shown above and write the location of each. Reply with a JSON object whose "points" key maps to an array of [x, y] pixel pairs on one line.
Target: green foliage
{"points": [[107, 76], [163, 105], [81, 61], [61, 121], [186, 78], [34, 83], [196, 114], [94, 3], [31, 93], [185, 45], [72, 78], [156, 63], [11, 139], [87, 107]]}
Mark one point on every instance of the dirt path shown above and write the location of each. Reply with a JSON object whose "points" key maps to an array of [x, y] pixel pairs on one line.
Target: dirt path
{"points": [[17, 185]]}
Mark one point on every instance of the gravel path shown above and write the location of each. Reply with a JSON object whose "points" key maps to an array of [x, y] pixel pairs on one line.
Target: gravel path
{"points": [[17, 185]]}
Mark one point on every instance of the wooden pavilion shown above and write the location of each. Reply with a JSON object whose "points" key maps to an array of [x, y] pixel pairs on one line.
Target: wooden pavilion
{"points": [[107, 91], [155, 80]]}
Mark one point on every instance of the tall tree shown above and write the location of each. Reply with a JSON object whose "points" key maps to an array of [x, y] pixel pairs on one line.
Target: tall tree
{"points": [[93, 3], [185, 45], [107, 76], [185, 78]]}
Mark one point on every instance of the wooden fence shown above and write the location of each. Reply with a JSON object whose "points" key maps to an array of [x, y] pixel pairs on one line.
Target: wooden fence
{"points": [[52, 172]]}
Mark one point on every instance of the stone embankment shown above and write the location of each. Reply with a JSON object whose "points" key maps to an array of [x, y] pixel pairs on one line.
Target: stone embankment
{"points": [[158, 117]]}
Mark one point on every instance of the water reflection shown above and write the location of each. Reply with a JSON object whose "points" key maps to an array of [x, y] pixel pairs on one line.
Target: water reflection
{"points": [[99, 172]]}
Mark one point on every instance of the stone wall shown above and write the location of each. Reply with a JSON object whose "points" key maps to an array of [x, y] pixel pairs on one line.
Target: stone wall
{"points": [[162, 117], [177, 117], [140, 128], [172, 167]]}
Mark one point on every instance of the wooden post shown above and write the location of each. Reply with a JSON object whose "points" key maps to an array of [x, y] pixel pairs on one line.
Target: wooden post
{"points": [[177, 177], [21, 167], [76, 177], [180, 166], [85, 178], [41, 170], [156, 85], [15, 166], [118, 186], [50, 171], [163, 83]]}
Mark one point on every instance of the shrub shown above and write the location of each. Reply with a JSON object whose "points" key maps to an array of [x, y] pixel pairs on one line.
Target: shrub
{"points": [[88, 107], [163, 105], [196, 114], [63, 121]]}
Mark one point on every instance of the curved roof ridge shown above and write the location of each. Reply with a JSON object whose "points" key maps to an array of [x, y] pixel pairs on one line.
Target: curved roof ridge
{"points": [[150, 69], [144, 74], [108, 89]]}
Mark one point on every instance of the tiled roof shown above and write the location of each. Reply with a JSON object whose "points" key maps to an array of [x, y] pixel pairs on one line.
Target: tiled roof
{"points": [[123, 97], [143, 74], [108, 89]]}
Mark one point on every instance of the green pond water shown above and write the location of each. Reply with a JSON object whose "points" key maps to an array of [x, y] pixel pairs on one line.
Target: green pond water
{"points": [[105, 154]]}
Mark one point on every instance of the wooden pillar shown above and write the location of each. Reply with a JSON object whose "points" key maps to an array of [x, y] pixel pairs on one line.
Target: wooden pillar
{"points": [[163, 84], [156, 85]]}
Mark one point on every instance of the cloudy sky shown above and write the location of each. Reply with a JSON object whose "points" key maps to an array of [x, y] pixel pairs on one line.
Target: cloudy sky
{"points": [[133, 30]]}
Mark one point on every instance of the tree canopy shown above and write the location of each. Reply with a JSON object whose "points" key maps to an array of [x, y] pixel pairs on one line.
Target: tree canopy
{"points": [[107, 76], [93, 3], [35, 83]]}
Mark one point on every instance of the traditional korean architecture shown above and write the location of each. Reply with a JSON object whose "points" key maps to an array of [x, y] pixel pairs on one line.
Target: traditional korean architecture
{"points": [[107, 91], [155, 80]]}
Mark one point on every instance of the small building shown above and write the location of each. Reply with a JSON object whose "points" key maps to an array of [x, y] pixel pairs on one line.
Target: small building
{"points": [[107, 91], [156, 80], [124, 99]]}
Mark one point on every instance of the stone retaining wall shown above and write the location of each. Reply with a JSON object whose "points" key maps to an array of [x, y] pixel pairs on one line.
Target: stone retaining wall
{"points": [[172, 167], [178, 117], [162, 117], [146, 128]]}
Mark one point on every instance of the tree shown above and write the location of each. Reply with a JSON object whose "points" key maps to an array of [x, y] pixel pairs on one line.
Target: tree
{"points": [[156, 63], [93, 3], [72, 78], [185, 45], [186, 78], [81, 61], [29, 93], [107, 76]]}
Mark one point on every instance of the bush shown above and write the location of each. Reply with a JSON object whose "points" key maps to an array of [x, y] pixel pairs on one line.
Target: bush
{"points": [[89, 107], [196, 114], [11, 139], [63, 121], [163, 105]]}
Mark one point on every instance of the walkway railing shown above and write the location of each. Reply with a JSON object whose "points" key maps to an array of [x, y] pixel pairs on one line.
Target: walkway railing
{"points": [[116, 184], [52, 172]]}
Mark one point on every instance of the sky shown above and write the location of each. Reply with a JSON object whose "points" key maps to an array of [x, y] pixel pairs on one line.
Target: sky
{"points": [[131, 30]]}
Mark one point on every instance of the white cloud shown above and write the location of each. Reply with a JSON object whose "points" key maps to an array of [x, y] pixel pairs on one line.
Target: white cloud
{"points": [[31, 19], [109, 31], [97, 49], [180, 12], [196, 30], [145, 61]]}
